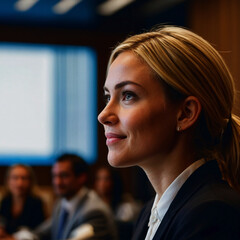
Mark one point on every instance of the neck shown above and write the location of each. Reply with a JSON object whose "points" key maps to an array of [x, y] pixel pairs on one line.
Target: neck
{"points": [[107, 198], [18, 198], [71, 195], [163, 170]]}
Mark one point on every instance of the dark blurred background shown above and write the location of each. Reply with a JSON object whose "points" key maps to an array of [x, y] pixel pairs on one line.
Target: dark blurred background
{"points": [[92, 23]]}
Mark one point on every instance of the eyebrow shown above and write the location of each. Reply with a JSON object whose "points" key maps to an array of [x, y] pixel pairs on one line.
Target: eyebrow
{"points": [[122, 84]]}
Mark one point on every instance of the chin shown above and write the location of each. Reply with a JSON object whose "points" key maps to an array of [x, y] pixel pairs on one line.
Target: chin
{"points": [[119, 162]]}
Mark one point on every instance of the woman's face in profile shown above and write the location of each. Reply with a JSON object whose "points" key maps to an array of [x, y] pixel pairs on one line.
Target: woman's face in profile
{"points": [[19, 181], [139, 122]]}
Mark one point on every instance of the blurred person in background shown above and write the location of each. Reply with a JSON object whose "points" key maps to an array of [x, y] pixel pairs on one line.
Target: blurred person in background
{"points": [[79, 213], [20, 206], [108, 185]]}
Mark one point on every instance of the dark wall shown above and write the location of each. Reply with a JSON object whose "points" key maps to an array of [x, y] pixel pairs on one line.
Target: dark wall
{"points": [[218, 22]]}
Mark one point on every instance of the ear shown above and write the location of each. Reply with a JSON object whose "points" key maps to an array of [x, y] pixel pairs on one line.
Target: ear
{"points": [[189, 113]]}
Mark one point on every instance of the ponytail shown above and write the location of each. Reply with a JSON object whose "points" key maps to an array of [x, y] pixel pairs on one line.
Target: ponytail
{"points": [[230, 151]]}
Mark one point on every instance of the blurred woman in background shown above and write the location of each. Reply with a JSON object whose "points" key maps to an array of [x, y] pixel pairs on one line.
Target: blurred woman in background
{"points": [[20, 207], [108, 185]]}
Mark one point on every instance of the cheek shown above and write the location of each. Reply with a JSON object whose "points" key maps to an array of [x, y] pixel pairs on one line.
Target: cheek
{"points": [[12, 184], [134, 119], [144, 121], [151, 130], [71, 182]]}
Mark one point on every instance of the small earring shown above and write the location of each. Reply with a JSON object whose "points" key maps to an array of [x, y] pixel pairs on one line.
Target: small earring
{"points": [[178, 128]]}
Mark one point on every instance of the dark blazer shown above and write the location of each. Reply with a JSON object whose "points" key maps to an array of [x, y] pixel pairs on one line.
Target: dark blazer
{"points": [[31, 216], [205, 208]]}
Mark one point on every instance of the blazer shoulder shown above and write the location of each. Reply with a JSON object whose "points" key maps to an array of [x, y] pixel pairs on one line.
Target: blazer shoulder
{"points": [[215, 219], [92, 202]]}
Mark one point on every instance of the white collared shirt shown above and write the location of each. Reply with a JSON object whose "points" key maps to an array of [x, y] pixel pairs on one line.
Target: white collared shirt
{"points": [[160, 206]]}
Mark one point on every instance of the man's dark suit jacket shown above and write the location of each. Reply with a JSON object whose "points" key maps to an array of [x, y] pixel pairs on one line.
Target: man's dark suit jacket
{"points": [[91, 210], [205, 208]]}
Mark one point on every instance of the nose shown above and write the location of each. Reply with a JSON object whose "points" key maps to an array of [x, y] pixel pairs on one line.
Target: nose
{"points": [[56, 180], [18, 181], [108, 115]]}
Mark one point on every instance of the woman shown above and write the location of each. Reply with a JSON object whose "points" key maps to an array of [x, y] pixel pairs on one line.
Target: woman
{"points": [[20, 207], [169, 108], [108, 185]]}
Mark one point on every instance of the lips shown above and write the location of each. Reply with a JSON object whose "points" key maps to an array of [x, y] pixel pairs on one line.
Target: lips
{"points": [[113, 138]]}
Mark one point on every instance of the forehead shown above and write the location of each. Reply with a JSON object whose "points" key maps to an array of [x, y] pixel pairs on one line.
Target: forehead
{"points": [[64, 166], [127, 66], [103, 171], [19, 171]]}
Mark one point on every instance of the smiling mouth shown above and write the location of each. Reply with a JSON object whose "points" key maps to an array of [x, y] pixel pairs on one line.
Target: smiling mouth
{"points": [[114, 138]]}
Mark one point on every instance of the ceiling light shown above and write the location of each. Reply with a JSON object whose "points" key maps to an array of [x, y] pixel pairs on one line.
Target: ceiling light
{"points": [[111, 6], [24, 5], [65, 5]]}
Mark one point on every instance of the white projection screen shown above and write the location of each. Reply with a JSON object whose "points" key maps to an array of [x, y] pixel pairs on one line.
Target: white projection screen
{"points": [[47, 103]]}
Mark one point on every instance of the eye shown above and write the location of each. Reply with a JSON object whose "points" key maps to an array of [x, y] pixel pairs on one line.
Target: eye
{"points": [[106, 98], [128, 96]]}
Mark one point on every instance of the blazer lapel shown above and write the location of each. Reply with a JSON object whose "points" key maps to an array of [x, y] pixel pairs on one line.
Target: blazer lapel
{"points": [[69, 227], [55, 221], [202, 175], [142, 224]]}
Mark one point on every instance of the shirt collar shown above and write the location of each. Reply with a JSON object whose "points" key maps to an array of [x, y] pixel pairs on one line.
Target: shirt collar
{"points": [[71, 204]]}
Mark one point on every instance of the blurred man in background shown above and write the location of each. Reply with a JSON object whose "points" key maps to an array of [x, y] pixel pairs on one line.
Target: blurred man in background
{"points": [[80, 213]]}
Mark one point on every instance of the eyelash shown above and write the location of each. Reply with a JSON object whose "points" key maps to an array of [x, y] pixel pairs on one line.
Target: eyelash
{"points": [[128, 93], [106, 98], [132, 95]]}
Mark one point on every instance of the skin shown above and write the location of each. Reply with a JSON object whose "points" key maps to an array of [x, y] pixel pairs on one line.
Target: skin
{"points": [[19, 185], [103, 182], [19, 182], [140, 123], [66, 184]]}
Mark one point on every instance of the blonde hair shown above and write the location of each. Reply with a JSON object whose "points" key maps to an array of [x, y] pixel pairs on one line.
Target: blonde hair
{"points": [[186, 64]]}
